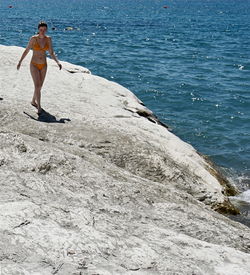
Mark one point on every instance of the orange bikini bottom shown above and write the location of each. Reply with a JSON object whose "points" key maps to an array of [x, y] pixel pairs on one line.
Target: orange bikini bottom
{"points": [[38, 65]]}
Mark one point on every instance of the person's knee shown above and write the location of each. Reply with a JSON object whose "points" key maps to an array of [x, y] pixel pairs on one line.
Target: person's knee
{"points": [[38, 86]]}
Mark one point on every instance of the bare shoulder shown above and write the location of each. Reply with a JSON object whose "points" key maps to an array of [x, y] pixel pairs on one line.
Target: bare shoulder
{"points": [[33, 37], [49, 39]]}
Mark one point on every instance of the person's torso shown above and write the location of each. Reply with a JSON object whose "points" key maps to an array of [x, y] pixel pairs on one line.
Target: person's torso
{"points": [[39, 51]]}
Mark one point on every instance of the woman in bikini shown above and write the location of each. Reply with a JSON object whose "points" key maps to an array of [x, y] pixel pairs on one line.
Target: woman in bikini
{"points": [[40, 43]]}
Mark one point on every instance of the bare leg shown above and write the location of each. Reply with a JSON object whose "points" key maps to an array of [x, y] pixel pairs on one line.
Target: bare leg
{"points": [[42, 77], [33, 101], [43, 74], [35, 73]]}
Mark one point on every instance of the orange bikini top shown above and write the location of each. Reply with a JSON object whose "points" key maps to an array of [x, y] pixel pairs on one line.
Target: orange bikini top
{"points": [[38, 48]]}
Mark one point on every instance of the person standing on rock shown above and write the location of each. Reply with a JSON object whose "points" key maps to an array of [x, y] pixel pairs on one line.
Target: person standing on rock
{"points": [[40, 43]]}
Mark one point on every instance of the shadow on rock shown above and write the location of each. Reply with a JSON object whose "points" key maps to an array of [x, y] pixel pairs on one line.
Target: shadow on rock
{"points": [[47, 117]]}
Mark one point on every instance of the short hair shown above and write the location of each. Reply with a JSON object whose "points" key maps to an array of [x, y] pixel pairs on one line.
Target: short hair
{"points": [[42, 24]]}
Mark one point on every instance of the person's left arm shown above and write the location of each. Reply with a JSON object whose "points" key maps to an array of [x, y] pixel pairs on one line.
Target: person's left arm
{"points": [[52, 53]]}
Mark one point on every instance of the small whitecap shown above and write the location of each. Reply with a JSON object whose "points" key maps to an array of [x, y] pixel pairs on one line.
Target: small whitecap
{"points": [[241, 67], [245, 196]]}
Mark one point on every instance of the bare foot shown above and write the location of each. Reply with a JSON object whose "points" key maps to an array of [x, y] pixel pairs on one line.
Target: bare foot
{"points": [[33, 104], [40, 110]]}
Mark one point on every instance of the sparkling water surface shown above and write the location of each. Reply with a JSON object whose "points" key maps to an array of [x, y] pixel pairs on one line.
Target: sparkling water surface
{"points": [[188, 62]]}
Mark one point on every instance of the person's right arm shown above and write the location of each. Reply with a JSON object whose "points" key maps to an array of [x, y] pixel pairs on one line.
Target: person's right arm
{"points": [[29, 46]]}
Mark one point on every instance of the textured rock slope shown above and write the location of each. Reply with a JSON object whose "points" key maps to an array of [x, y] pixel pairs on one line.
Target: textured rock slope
{"points": [[97, 185]]}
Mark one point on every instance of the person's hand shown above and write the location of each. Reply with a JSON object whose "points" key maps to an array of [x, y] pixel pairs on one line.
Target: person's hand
{"points": [[18, 65], [60, 66]]}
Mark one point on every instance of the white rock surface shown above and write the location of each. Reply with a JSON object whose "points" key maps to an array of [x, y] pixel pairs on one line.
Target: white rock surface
{"points": [[93, 187]]}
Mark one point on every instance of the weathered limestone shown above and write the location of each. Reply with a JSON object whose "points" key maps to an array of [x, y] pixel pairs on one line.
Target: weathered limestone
{"points": [[98, 185]]}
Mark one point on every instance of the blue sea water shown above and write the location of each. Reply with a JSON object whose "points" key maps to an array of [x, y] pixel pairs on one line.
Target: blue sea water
{"points": [[188, 62]]}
